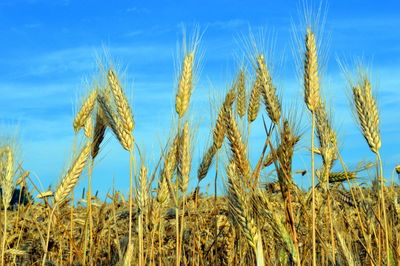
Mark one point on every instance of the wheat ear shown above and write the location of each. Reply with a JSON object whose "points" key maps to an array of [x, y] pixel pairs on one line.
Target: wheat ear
{"points": [[368, 116], [124, 110], [185, 159], [85, 111], [100, 127], [70, 180], [185, 85], [254, 101], [268, 91], [237, 146], [311, 77], [206, 163], [114, 122], [241, 94], [220, 125]]}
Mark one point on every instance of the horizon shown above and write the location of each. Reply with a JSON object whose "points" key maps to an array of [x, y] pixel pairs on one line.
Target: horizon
{"points": [[49, 59]]}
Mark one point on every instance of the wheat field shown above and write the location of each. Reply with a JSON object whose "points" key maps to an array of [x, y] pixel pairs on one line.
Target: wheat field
{"points": [[166, 221]]}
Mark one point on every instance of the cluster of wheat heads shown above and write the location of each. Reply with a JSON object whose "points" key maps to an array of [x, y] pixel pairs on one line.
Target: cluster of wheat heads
{"points": [[164, 222]]}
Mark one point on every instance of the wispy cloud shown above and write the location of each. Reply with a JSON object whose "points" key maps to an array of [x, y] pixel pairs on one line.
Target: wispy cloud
{"points": [[229, 24]]}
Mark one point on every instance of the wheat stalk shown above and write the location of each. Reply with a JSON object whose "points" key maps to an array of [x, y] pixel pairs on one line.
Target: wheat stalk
{"points": [[312, 100]]}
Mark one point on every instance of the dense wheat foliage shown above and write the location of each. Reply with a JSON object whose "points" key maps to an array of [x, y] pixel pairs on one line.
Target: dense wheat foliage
{"points": [[165, 220]]}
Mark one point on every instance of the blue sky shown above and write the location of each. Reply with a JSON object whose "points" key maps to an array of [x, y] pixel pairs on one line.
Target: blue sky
{"points": [[49, 53]]}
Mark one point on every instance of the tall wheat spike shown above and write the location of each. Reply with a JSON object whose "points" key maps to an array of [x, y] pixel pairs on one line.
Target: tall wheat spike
{"points": [[368, 116], [268, 91], [312, 100], [368, 120], [206, 163], [185, 85], [311, 77]]}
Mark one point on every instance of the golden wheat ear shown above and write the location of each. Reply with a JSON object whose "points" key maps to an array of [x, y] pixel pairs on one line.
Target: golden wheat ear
{"points": [[241, 93], [268, 91], [185, 85], [70, 180], [311, 76], [85, 111]]}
